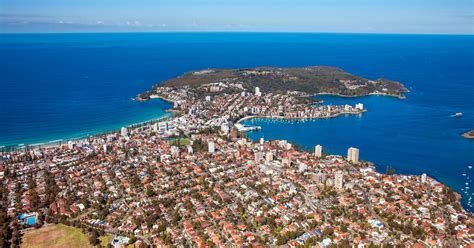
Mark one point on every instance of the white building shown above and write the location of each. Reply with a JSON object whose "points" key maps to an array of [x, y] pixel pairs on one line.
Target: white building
{"points": [[318, 151], [163, 126], [423, 178], [320, 178], [285, 162], [124, 131], [225, 128], [269, 156], [71, 144], [302, 167], [359, 106], [259, 156], [338, 180], [257, 91], [211, 147], [107, 148], [174, 151], [208, 98], [353, 155]]}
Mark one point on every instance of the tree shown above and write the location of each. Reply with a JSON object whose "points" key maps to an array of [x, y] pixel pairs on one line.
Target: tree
{"points": [[33, 195], [150, 192], [94, 238], [390, 170], [132, 240], [5, 231]]}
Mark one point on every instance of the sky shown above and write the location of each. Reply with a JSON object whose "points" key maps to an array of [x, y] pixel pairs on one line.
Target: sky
{"points": [[344, 16]]}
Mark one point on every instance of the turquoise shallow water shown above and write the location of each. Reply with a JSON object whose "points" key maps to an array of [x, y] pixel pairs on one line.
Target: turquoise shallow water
{"points": [[58, 86]]}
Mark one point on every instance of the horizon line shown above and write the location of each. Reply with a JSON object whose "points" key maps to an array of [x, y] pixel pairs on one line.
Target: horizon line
{"points": [[232, 32]]}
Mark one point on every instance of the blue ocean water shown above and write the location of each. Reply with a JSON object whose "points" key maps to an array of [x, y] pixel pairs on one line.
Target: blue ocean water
{"points": [[57, 86]]}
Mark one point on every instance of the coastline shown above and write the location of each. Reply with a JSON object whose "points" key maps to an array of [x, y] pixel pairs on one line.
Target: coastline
{"points": [[296, 118], [162, 98], [401, 97], [59, 141]]}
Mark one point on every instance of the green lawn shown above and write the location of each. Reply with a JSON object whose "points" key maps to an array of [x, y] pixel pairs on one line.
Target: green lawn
{"points": [[179, 141], [56, 236], [104, 240]]}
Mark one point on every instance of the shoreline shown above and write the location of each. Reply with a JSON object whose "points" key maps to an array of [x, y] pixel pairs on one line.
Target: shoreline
{"points": [[151, 97], [58, 142], [401, 97], [296, 118]]}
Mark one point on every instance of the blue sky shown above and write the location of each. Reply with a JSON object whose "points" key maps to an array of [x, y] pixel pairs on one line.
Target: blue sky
{"points": [[353, 16]]}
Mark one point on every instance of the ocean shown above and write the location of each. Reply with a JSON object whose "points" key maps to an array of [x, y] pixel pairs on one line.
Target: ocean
{"points": [[62, 86]]}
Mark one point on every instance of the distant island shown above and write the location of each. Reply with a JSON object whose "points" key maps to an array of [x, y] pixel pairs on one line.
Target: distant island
{"points": [[469, 134], [307, 81]]}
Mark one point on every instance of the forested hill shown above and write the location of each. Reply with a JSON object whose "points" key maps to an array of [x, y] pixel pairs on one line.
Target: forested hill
{"points": [[308, 80]]}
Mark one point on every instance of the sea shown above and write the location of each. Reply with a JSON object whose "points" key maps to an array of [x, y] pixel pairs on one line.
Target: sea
{"points": [[55, 87]]}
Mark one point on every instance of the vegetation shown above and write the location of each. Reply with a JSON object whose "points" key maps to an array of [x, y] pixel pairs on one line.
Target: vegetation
{"points": [[55, 236], [180, 142], [390, 170], [309, 80], [60, 235]]}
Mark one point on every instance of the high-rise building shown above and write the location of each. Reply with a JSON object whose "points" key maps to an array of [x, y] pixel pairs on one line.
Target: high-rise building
{"points": [[71, 144], [257, 91], [423, 178], [190, 150], [174, 151], [124, 131], [338, 180], [353, 155], [318, 151], [302, 167], [211, 147], [269, 156], [259, 156], [320, 177], [107, 148]]}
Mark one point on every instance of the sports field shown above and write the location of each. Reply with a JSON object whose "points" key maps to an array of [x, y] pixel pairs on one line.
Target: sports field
{"points": [[56, 236]]}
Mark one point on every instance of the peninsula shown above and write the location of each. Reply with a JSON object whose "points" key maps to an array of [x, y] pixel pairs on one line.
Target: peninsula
{"points": [[306, 81]]}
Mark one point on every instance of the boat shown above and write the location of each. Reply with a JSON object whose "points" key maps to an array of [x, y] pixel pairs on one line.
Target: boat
{"points": [[458, 114], [470, 167]]}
